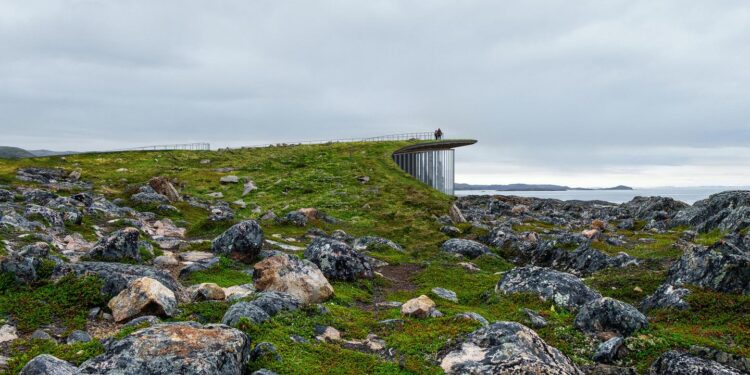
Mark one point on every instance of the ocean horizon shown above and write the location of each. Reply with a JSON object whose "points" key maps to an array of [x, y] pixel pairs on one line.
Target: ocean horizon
{"points": [[688, 195]]}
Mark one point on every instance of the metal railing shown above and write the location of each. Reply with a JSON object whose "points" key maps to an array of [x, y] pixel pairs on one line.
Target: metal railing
{"points": [[382, 138], [201, 146]]}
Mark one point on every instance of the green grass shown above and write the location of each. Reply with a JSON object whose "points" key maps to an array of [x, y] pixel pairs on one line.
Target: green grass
{"points": [[225, 274], [65, 303]]}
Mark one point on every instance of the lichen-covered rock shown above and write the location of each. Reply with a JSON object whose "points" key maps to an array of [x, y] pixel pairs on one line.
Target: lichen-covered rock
{"points": [[186, 348], [609, 351], [420, 307], [445, 294], [337, 260], [722, 267], [468, 248], [289, 274], [29, 264], [609, 315], [116, 276], [242, 241], [370, 243], [295, 218], [666, 296], [678, 363], [506, 348], [262, 308], [144, 296], [562, 288], [45, 364], [119, 246]]}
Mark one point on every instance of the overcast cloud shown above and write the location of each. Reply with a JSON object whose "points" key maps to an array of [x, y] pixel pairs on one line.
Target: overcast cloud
{"points": [[586, 93]]}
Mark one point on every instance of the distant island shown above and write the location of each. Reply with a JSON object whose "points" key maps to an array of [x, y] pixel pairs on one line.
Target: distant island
{"points": [[532, 187]]}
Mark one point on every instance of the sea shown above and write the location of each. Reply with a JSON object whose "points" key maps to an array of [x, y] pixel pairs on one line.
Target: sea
{"points": [[688, 195]]}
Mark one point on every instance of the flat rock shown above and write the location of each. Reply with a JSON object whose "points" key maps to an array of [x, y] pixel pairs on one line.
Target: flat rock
{"points": [[468, 248], [562, 288]]}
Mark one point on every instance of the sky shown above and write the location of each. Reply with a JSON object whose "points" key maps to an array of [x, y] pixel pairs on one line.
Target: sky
{"points": [[585, 93]]}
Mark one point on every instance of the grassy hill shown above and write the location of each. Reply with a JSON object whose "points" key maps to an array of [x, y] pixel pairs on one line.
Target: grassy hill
{"points": [[7, 152], [392, 205]]}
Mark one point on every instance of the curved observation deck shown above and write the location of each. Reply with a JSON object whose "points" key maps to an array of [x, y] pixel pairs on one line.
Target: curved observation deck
{"points": [[431, 162]]}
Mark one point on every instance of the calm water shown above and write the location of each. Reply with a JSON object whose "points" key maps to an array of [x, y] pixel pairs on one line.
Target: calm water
{"points": [[687, 195]]}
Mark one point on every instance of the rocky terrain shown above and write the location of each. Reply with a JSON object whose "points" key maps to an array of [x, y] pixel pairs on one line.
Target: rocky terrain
{"points": [[328, 259]]}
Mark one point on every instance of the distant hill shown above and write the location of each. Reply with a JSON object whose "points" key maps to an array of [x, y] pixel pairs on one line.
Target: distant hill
{"points": [[7, 152], [532, 187]]}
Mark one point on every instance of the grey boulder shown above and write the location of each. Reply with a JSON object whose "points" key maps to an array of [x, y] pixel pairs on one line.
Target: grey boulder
{"points": [[45, 364], [337, 260], [121, 245], [609, 315], [468, 248], [242, 241]]}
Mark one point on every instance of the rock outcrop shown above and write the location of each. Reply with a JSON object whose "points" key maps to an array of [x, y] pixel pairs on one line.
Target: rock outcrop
{"points": [[562, 288], [186, 348], [728, 211], [722, 267], [337, 260], [506, 348]]}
